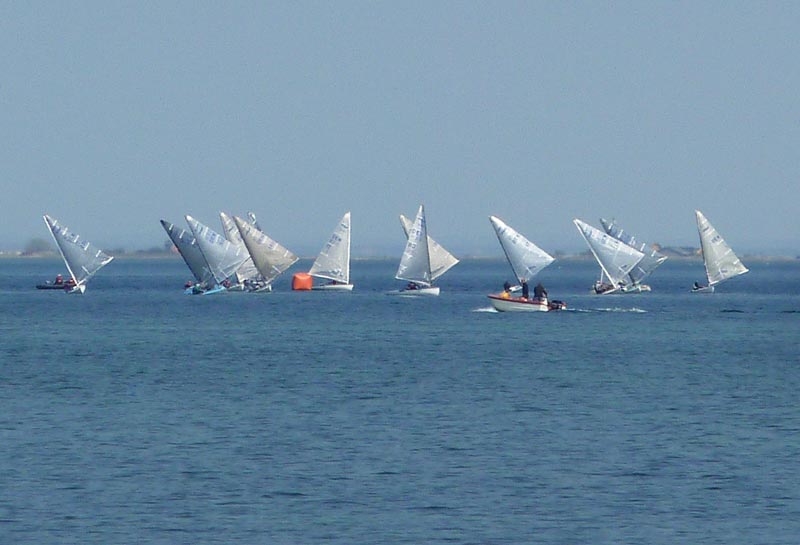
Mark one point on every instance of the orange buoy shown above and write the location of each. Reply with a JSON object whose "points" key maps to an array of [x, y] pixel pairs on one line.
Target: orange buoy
{"points": [[302, 282]]}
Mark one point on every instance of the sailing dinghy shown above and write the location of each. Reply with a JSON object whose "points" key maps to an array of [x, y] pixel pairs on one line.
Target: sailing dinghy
{"points": [[333, 262], [247, 276], [415, 264], [222, 257], [270, 258], [441, 260], [187, 247], [81, 258], [718, 258], [616, 259], [650, 262], [526, 260]]}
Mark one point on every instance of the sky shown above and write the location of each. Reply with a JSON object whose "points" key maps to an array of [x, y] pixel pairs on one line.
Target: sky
{"points": [[114, 115]]}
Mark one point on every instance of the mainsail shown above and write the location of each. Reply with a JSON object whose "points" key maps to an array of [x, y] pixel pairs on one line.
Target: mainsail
{"points": [[270, 258], [441, 260], [247, 270], [81, 258], [651, 260], [525, 257], [223, 258], [186, 244], [720, 261], [415, 265], [616, 258], [333, 261]]}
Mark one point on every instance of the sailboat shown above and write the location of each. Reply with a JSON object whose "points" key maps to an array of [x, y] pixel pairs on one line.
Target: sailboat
{"points": [[222, 257], [441, 260], [187, 247], [719, 260], [247, 276], [81, 258], [333, 261], [415, 263], [616, 259], [526, 260], [270, 258], [650, 262]]}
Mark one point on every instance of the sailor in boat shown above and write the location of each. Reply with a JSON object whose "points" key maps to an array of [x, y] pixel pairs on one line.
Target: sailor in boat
{"points": [[539, 292], [525, 290], [602, 287], [60, 280], [412, 286], [506, 290], [698, 287]]}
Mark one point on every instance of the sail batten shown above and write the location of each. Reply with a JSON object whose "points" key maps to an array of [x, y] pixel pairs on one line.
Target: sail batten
{"points": [[333, 261], [720, 262], [525, 257]]}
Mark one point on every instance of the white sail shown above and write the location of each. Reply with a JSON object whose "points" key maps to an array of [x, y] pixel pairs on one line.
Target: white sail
{"points": [[616, 258], [441, 260], [333, 261], [223, 258], [415, 265], [187, 246], [525, 257], [651, 260], [720, 261], [247, 270], [271, 259], [81, 258]]}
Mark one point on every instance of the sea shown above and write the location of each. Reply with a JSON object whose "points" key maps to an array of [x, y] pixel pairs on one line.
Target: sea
{"points": [[137, 414]]}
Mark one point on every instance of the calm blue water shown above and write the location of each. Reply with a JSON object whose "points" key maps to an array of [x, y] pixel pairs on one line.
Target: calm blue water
{"points": [[135, 414]]}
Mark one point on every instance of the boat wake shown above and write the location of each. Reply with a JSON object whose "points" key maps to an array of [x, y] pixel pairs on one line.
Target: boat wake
{"points": [[485, 309], [619, 309]]}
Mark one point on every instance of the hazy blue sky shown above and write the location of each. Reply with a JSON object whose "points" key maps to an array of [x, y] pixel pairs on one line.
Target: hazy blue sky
{"points": [[115, 115]]}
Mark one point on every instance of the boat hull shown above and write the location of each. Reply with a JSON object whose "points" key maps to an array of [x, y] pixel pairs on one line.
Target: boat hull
{"points": [[419, 292], [333, 287], [49, 286], [703, 289], [262, 289], [215, 289], [637, 288], [519, 304]]}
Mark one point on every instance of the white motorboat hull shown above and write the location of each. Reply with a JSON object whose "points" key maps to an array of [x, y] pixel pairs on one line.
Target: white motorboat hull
{"points": [[430, 291], [518, 304], [333, 287]]}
